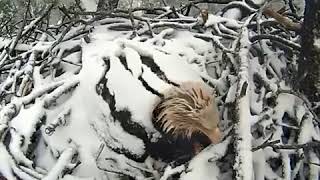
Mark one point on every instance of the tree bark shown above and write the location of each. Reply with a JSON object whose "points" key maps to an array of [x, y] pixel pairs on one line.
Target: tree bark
{"points": [[309, 60]]}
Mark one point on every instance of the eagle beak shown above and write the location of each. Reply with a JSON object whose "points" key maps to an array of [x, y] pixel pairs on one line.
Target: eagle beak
{"points": [[215, 136]]}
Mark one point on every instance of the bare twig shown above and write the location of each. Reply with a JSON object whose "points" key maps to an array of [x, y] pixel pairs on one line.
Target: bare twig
{"points": [[132, 20], [21, 29], [275, 145], [266, 144]]}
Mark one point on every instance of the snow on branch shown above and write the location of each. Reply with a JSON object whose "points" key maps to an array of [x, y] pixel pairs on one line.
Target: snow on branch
{"points": [[93, 78], [64, 162], [243, 160], [286, 42]]}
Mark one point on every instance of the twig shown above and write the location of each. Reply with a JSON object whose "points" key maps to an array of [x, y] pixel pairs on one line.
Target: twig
{"points": [[60, 121], [259, 15], [291, 6], [69, 62], [239, 4], [288, 43], [273, 144], [113, 171], [132, 20], [63, 162], [164, 2], [101, 147], [192, 3], [140, 168], [316, 164], [214, 40], [21, 29], [265, 144], [53, 96], [37, 20]]}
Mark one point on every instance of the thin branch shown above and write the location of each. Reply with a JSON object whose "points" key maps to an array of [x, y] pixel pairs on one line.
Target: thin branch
{"points": [[284, 21], [275, 145], [265, 144], [275, 38], [21, 29]]}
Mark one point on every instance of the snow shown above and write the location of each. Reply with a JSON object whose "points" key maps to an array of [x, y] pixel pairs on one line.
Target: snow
{"points": [[115, 131], [70, 177], [44, 158], [284, 101], [30, 25], [316, 43], [15, 149], [4, 42], [89, 5], [306, 136], [245, 146], [314, 168], [170, 171], [203, 166], [233, 13], [134, 62], [259, 165], [88, 113], [231, 94], [299, 6], [259, 2], [82, 117], [121, 92], [6, 162], [63, 160], [24, 123], [214, 20], [243, 164]]}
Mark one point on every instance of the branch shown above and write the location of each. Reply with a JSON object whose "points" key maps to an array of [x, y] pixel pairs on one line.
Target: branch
{"points": [[64, 162], [243, 158], [215, 41], [275, 145], [265, 144], [60, 121], [169, 171], [19, 34], [275, 38], [51, 98], [284, 21], [37, 20], [192, 3]]}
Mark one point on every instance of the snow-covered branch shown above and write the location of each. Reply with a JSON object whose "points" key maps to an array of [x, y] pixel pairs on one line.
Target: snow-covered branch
{"points": [[95, 76], [243, 160]]}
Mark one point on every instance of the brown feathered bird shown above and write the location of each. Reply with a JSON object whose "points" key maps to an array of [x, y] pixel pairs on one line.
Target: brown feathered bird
{"points": [[188, 109]]}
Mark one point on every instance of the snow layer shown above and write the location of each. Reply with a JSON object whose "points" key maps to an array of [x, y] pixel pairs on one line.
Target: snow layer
{"points": [[76, 119], [203, 166], [92, 114], [243, 164]]}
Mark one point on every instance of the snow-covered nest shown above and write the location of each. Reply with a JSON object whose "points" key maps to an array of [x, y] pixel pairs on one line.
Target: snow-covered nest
{"points": [[79, 107]]}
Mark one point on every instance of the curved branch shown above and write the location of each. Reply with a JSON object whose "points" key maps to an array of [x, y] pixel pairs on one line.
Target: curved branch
{"points": [[277, 39]]}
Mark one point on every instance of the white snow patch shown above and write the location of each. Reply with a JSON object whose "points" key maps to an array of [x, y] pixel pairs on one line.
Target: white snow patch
{"points": [[317, 43], [203, 166]]}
